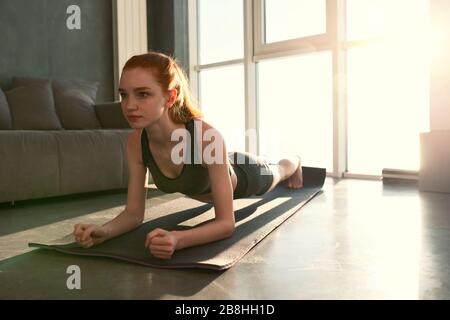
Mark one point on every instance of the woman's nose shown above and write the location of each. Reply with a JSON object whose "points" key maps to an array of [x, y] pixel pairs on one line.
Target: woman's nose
{"points": [[130, 105]]}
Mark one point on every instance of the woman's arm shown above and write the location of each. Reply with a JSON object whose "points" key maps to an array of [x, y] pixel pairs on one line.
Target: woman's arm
{"points": [[133, 215], [163, 243], [223, 224]]}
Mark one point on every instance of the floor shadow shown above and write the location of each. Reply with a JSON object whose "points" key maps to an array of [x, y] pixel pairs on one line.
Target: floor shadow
{"points": [[42, 274], [50, 200], [30, 214]]}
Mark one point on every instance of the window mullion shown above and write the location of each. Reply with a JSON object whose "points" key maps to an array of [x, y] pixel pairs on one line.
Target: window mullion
{"points": [[201, 67], [336, 26], [251, 112], [193, 47]]}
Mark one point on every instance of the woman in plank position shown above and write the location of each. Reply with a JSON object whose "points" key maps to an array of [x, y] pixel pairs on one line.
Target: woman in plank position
{"points": [[157, 103]]}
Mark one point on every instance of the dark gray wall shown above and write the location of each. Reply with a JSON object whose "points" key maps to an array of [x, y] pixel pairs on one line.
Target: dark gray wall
{"points": [[167, 29], [160, 26], [34, 41]]}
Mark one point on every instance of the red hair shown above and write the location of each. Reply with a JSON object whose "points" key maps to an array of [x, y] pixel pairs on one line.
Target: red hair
{"points": [[169, 76]]}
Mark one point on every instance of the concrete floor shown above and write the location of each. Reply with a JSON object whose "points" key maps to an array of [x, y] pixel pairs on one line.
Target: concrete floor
{"points": [[357, 240]]}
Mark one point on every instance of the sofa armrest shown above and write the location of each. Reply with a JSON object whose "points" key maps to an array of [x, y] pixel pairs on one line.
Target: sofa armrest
{"points": [[110, 115]]}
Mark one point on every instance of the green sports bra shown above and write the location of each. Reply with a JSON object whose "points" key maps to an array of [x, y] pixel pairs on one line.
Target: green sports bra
{"points": [[193, 179]]}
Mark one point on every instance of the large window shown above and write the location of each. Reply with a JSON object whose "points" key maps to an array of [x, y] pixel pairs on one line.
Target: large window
{"points": [[387, 107], [294, 92], [342, 83], [220, 68], [222, 98], [388, 83], [295, 109], [220, 22]]}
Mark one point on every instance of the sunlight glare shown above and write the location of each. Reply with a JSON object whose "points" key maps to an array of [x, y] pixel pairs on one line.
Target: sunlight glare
{"points": [[388, 90]]}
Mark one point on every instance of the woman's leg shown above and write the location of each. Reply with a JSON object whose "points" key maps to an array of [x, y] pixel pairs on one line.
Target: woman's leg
{"points": [[287, 168]]}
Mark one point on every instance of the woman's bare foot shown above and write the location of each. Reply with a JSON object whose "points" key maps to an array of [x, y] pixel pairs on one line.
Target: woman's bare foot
{"points": [[287, 169], [295, 181]]}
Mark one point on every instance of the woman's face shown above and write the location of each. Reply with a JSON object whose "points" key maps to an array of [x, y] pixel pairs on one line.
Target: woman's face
{"points": [[142, 98]]}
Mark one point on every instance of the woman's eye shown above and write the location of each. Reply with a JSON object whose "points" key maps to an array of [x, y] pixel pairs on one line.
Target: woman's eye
{"points": [[122, 95], [143, 94]]}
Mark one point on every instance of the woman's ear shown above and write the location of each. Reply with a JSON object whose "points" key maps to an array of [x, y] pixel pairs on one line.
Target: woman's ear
{"points": [[172, 96]]}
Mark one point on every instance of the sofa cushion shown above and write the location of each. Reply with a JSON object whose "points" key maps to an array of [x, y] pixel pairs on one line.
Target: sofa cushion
{"points": [[74, 100], [5, 114], [90, 160], [32, 108], [29, 165]]}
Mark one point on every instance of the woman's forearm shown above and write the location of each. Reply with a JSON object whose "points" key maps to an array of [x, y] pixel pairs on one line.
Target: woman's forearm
{"points": [[209, 232], [123, 222]]}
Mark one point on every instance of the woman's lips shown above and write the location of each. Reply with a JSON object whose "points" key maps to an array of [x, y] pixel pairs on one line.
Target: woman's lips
{"points": [[134, 118]]}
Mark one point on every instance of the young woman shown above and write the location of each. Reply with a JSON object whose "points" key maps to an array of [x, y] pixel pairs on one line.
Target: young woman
{"points": [[157, 103]]}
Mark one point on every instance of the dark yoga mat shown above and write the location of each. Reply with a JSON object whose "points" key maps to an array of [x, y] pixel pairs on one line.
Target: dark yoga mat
{"points": [[255, 218]]}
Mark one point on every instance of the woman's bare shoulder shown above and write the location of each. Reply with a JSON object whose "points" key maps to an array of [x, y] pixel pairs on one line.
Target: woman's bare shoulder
{"points": [[134, 143], [134, 137]]}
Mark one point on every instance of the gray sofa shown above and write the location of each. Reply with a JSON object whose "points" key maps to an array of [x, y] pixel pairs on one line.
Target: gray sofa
{"points": [[55, 140]]}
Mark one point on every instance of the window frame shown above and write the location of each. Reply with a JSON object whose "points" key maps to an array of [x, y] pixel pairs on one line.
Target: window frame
{"points": [[294, 46]]}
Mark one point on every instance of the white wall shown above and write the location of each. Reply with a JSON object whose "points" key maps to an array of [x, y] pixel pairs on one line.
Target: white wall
{"points": [[130, 33], [440, 72], [434, 172]]}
